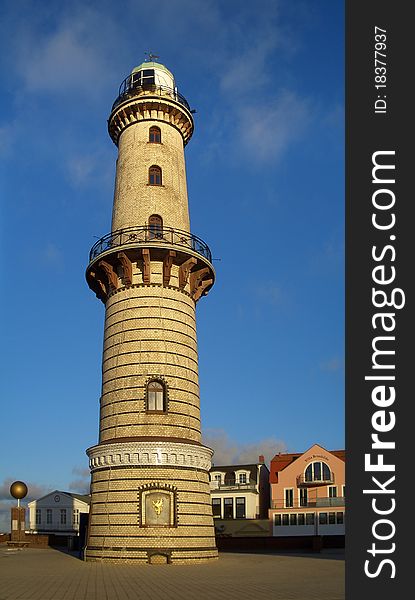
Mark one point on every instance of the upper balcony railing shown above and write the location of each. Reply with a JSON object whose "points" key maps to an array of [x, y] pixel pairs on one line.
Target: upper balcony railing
{"points": [[305, 481], [132, 87], [146, 234]]}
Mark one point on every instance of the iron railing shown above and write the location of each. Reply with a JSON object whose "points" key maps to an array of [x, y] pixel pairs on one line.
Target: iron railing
{"points": [[304, 480], [131, 87], [145, 234], [314, 503]]}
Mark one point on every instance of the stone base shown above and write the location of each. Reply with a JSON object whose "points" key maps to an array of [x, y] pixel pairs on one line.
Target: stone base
{"points": [[150, 503]]}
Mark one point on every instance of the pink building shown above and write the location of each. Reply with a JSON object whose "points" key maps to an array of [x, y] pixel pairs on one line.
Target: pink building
{"points": [[308, 493]]}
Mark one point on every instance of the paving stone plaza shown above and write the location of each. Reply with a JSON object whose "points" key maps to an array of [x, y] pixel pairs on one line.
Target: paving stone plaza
{"points": [[32, 574]]}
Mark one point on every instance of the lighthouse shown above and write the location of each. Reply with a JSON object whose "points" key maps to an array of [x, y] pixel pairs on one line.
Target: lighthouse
{"points": [[150, 498]]}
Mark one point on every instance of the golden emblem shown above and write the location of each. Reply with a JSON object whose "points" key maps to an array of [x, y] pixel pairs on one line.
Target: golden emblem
{"points": [[158, 506]]}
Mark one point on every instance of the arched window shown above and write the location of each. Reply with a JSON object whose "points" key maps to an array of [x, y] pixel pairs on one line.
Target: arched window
{"points": [[154, 175], [317, 471], [154, 135], [155, 227], [156, 396]]}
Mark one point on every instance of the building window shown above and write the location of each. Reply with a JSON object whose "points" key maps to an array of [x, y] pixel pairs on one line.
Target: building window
{"points": [[154, 175], [240, 508], [38, 516], [333, 491], [293, 519], [155, 227], [309, 519], [228, 508], [76, 516], [301, 519], [154, 135], [218, 478], [285, 520], [303, 497], [332, 518], [277, 520], [63, 516], [318, 471], [49, 516], [344, 491], [242, 477], [323, 518], [156, 396], [289, 497], [216, 507], [339, 518]]}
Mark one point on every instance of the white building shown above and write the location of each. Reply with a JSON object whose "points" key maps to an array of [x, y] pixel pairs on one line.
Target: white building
{"points": [[58, 512], [240, 494]]}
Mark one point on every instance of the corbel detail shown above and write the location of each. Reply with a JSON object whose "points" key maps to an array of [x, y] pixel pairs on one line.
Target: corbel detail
{"points": [[167, 263], [146, 265], [201, 288], [97, 286], [184, 271], [196, 277], [126, 268], [110, 273]]}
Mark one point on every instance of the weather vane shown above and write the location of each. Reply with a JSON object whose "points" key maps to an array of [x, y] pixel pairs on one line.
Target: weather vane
{"points": [[151, 56]]}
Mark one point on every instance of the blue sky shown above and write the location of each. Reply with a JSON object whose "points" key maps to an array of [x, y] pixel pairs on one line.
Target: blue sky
{"points": [[266, 192]]}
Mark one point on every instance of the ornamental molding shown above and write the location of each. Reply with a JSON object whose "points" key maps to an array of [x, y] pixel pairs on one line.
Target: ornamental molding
{"points": [[144, 454], [147, 108]]}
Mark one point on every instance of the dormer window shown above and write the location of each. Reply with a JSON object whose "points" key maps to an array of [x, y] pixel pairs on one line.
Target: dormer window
{"points": [[154, 136]]}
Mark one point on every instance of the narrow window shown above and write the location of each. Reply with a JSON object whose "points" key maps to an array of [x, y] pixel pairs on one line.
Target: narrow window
{"points": [[323, 518], [216, 507], [301, 519], [156, 396], [289, 497], [228, 508], [76, 516], [49, 516], [303, 497], [293, 519], [309, 518], [285, 520], [332, 518], [332, 491], [154, 135], [339, 518], [63, 516], [242, 477], [277, 520], [154, 175], [155, 227], [38, 516], [240, 508]]}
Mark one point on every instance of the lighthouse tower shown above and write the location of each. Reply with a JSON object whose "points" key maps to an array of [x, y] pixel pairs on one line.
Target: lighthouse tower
{"points": [[150, 499]]}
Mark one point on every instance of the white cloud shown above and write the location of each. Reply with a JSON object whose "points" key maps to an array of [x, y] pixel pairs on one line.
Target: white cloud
{"points": [[228, 451], [267, 128], [74, 56]]}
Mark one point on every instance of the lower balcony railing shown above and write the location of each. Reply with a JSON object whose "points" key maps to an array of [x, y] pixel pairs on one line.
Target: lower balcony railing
{"points": [[314, 503], [145, 234]]}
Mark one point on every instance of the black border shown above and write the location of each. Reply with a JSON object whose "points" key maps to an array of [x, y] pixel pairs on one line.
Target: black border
{"points": [[367, 132]]}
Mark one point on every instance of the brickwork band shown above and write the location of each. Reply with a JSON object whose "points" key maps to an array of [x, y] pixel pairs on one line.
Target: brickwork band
{"points": [[150, 498]]}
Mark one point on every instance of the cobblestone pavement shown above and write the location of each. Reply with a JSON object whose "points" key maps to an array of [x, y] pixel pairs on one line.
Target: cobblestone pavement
{"points": [[32, 574]]}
